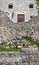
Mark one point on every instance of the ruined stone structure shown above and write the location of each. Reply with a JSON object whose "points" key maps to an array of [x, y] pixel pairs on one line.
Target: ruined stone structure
{"points": [[10, 30], [27, 56], [19, 10]]}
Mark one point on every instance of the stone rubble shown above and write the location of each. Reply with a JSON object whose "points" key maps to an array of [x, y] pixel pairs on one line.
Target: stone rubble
{"points": [[10, 30], [26, 56]]}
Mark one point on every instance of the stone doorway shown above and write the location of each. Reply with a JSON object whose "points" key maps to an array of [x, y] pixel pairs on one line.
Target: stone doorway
{"points": [[20, 17]]}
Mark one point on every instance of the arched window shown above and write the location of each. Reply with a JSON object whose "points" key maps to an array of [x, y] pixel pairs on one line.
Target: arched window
{"points": [[10, 6], [30, 5]]}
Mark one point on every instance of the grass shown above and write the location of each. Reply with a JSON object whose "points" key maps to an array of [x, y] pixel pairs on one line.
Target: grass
{"points": [[9, 50]]}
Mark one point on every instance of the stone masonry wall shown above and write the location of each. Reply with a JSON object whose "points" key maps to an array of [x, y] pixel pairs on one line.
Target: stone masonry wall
{"points": [[10, 30], [26, 56]]}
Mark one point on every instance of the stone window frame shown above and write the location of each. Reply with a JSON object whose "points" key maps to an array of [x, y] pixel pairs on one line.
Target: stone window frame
{"points": [[10, 6], [31, 5]]}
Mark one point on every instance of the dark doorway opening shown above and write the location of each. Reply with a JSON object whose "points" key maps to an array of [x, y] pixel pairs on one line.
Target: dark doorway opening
{"points": [[20, 17]]}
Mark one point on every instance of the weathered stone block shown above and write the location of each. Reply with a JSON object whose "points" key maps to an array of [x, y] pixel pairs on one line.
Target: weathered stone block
{"points": [[25, 63], [33, 63], [33, 51], [33, 58]]}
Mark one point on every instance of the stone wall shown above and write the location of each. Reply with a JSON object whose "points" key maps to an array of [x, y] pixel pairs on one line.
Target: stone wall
{"points": [[26, 56], [19, 7], [10, 30]]}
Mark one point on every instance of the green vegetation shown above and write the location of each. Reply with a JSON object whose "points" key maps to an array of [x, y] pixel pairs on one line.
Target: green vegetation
{"points": [[31, 40], [9, 50], [10, 47], [15, 49], [37, 1]]}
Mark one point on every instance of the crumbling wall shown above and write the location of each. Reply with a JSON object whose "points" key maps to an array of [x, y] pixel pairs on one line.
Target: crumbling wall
{"points": [[10, 30], [27, 56]]}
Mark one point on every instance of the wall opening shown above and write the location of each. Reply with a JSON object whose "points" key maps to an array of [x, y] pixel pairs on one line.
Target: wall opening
{"points": [[12, 14], [30, 5], [20, 17], [31, 16], [10, 6]]}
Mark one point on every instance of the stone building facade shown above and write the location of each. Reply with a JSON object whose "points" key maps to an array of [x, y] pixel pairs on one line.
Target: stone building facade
{"points": [[19, 10]]}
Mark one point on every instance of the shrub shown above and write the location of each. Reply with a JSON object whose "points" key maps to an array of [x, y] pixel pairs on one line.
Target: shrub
{"points": [[37, 2], [31, 40]]}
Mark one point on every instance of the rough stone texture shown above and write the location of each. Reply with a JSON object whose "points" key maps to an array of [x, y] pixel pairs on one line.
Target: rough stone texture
{"points": [[20, 58], [19, 7], [10, 30]]}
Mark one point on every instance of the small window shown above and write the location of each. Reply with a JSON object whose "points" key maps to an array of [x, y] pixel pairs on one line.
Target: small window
{"points": [[31, 16], [31, 6], [10, 6]]}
